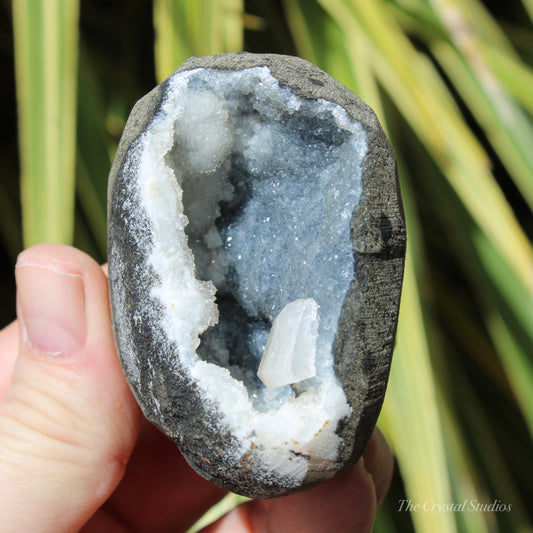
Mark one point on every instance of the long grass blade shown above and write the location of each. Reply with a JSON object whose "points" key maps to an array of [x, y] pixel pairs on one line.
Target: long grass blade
{"points": [[514, 74], [528, 5], [411, 417], [464, 60], [46, 43], [217, 511], [507, 308], [185, 28], [516, 358]]}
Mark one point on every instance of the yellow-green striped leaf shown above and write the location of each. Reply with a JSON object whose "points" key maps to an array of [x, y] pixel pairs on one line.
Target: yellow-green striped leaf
{"points": [[46, 44]]}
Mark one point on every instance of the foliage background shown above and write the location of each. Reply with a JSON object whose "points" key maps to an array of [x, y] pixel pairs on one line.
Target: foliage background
{"points": [[452, 83]]}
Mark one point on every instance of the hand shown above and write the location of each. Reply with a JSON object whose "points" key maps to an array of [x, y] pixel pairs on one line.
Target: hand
{"points": [[75, 452]]}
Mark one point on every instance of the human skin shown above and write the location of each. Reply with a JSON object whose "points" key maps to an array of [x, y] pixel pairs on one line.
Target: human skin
{"points": [[75, 451]]}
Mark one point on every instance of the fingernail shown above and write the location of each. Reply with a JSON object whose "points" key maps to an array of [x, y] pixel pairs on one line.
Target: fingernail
{"points": [[52, 308]]}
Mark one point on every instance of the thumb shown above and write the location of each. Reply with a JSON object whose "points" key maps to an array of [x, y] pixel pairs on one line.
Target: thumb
{"points": [[68, 421]]}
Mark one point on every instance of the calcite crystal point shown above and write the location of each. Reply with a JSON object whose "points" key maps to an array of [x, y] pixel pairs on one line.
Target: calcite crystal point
{"points": [[256, 249]]}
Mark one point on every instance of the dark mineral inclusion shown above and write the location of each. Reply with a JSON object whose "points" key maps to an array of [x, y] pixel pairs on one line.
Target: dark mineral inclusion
{"points": [[248, 188]]}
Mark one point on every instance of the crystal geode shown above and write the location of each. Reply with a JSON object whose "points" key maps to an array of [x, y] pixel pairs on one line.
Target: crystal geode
{"points": [[256, 248]]}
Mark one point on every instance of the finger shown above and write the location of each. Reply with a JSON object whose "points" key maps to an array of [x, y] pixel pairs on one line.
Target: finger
{"points": [[168, 494], [68, 422], [9, 345], [379, 463], [344, 504]]}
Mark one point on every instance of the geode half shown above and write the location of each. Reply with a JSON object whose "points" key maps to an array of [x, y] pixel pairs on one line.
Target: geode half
{"points": [[256, 248]]}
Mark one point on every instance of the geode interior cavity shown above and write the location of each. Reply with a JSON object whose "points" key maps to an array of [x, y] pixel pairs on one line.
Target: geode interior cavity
{"points": [[256, 245]]}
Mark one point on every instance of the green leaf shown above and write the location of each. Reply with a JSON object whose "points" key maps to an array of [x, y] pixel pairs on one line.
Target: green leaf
{"points": [[46, 44], [186, 28], [508, 128], [528, 4], [514, 74], [411, 418], [346, 57], [218, 510]]}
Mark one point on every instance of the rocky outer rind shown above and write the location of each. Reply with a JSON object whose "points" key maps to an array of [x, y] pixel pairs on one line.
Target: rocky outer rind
{"points": [[366, 329]]}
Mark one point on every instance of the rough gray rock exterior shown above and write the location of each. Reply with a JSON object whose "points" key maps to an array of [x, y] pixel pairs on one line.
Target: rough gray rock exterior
{"points": [[366, 329]]}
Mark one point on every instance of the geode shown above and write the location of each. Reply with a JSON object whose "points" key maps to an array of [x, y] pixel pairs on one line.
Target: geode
{"points": [[256, 248]]}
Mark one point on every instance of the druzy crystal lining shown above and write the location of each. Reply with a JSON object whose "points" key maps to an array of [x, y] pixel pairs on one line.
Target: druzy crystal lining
{"points": [[250, 192]]}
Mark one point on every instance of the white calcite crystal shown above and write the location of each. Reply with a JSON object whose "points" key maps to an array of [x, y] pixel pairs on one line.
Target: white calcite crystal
{"points": [[291, 348], [232, 263]]}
